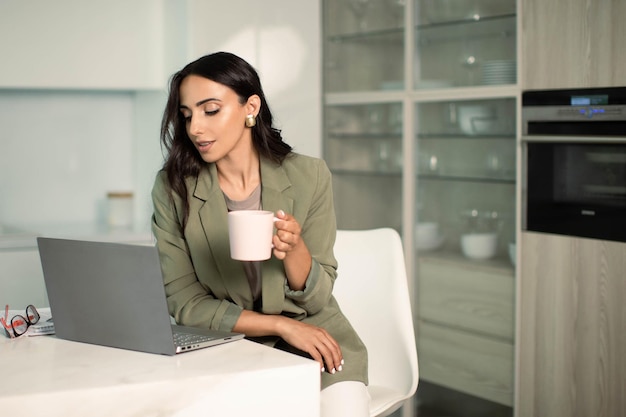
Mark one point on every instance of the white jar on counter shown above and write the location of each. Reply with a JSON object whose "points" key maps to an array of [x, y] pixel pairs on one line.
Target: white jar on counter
{"points": [[120, 209]]}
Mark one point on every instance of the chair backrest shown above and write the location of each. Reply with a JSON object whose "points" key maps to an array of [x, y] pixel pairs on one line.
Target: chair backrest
{"points": [[372, 291]]}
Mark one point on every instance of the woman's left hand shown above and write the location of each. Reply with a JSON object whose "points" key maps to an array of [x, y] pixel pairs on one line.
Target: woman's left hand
{"points": [[287, 237]]}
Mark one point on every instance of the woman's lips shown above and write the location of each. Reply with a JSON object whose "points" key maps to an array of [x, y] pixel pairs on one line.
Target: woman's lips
{"points": [[204, 145]]}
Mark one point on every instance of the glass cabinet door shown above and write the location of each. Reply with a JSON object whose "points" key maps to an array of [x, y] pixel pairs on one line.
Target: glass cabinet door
{"points": [[466, 170], [363, 149], [439, 167], [464, 43], [465, 154], [363, 45]]}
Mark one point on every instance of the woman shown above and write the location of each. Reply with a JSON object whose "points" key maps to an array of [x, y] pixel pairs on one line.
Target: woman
{"points": [[224, 154]]}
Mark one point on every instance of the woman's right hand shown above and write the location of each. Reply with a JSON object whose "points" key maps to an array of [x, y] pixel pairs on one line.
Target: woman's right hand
{"points": [[313, 340]]}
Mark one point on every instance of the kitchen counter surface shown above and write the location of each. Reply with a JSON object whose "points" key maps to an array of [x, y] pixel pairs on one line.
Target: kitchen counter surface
{"points": [[25, 237], [46, 376]]}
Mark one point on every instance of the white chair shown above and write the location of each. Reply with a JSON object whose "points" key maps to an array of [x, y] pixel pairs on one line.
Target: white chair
{"points": [[372, 290]]}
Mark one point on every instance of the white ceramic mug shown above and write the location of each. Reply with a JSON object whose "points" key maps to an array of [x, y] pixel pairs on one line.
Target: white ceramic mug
{"points": [[250, 233]]}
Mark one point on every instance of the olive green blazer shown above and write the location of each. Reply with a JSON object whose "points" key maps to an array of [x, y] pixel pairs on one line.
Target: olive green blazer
{"points": [[206, 288]]}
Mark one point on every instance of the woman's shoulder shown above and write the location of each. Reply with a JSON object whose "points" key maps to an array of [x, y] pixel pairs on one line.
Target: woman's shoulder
{"points": [[160, 182], [301, 162]]}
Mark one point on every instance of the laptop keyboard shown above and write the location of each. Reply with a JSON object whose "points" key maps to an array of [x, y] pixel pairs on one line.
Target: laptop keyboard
{"points": [[189, 339]]}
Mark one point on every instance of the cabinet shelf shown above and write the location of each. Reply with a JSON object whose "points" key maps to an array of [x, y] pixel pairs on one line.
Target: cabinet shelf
{"points": [[450, 136], [388, 35], [484, 26], [467, 29], [396, 174], [433, 177], [424, 95], [366, 136], [478, 178], [500, 264]]}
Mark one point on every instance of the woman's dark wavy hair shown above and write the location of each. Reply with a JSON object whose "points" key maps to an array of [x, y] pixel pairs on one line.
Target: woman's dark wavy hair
{"points": [[182, 159]]}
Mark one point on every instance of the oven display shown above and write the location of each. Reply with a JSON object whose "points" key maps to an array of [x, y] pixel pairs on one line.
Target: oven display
{"points": [[592, 100]]}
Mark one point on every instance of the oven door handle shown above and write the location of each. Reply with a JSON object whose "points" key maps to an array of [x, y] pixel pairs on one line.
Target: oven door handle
{"points": [[574, 139]]}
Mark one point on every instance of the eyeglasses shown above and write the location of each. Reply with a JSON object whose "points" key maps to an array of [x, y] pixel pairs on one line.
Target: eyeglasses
{"points": [[19, 324]]}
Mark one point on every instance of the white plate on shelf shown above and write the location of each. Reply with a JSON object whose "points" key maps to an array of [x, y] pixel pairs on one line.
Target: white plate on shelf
{"points": [[499, 72]]}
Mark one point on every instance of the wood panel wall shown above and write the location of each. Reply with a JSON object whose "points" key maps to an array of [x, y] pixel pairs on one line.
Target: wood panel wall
{"points": [[573, 328], [572, 292], [573, 43]]}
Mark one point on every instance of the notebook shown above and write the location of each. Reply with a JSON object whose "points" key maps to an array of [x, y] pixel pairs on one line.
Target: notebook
{"points": [[112, 294]]}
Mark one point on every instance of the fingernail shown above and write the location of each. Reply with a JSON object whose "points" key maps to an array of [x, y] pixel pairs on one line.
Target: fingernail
{"points": [[342, 362], [282, 213], [340, 368], [322, 370], [333, 371]]}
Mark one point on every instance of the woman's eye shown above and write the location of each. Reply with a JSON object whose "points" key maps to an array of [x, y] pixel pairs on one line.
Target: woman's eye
{"points": [[211, 112]]}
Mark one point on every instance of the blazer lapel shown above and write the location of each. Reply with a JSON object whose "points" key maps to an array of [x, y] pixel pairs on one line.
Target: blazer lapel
{"points": [[214, 220], [273, 198]]}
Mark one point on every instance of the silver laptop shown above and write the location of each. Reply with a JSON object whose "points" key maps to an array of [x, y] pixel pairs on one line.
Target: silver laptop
{"points": [[112, 294]]}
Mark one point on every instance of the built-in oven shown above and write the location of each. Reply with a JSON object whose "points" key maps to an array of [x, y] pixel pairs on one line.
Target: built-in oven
{"points": [[574, 162]]}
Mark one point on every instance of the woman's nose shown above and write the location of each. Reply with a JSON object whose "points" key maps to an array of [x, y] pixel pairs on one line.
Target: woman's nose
{"points": [[195, 125]]}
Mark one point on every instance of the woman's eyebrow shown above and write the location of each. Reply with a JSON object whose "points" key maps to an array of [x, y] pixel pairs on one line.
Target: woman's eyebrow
{"points": [[199, 103]]}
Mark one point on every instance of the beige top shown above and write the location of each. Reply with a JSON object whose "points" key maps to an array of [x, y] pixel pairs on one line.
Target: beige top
{"points": [[252, 268]]}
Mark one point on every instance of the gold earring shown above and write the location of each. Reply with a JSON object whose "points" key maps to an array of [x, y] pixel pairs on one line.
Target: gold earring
{"points": [[250, 120]]}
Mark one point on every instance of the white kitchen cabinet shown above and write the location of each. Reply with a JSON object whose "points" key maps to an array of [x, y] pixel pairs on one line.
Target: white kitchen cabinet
{"points": [[476, 297], [420, 109], [466, 325], [466, 362], [74, 44]]}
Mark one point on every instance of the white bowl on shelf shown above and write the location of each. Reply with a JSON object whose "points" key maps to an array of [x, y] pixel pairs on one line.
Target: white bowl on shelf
{"points": [[427, 236], [431, 245], [479, 246]]}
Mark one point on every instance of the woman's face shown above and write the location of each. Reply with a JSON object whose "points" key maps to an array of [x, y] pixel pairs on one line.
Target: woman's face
{"points": [[214, 118]]}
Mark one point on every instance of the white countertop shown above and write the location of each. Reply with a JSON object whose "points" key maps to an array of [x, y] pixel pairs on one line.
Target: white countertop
{"points": [[46, 376], [25, 237]]}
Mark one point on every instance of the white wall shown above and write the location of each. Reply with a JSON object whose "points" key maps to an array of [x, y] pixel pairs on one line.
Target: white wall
{"points": [[62, 148], [60, 152], [281, 39]]}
